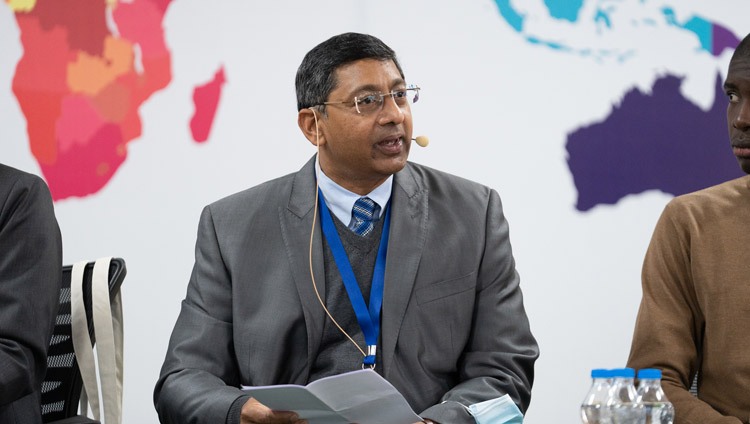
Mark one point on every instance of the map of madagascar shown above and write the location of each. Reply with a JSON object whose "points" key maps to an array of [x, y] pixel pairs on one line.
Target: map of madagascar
{"points": [[87, 68]]}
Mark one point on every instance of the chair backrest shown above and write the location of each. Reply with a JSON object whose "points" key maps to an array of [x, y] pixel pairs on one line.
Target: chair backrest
{"points": [[61, 389]]}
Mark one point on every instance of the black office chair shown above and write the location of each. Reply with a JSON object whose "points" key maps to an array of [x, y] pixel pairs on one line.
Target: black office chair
{"points": [[61, 389]]}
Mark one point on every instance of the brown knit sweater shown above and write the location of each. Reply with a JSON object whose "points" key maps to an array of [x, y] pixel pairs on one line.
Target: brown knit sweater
{"points": [[695, 311]]}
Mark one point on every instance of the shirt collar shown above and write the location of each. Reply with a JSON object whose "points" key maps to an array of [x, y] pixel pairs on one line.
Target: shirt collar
{"points": [[340, 201]]}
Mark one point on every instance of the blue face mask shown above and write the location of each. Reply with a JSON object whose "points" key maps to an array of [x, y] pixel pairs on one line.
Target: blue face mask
{"points": [[500, 410]]}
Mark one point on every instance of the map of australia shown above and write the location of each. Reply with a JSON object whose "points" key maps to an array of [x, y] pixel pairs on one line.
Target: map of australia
{"points": [[649, 141], [660, 141], [656, 141], [87, 68]]}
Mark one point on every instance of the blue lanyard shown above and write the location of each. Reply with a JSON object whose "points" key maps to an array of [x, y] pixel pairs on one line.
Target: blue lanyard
{"points": [[369, 320]]}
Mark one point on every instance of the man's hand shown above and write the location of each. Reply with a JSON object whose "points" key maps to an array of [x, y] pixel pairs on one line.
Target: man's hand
{"points": [[254, 412]]}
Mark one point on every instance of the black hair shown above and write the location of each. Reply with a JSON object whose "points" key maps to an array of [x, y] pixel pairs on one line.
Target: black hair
{"points": [[316, 74], [743, 49]]}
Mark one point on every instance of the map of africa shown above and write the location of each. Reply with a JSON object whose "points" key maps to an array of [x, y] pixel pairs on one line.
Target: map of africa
{"points": [[87, 68]]}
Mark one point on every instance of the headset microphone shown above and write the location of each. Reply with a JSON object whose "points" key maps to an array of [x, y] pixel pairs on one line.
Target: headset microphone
{"points": [[422, 140]]}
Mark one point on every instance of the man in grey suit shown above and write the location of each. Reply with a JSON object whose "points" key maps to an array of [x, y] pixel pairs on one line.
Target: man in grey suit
{"points": [[30, 279], [278, 263]]}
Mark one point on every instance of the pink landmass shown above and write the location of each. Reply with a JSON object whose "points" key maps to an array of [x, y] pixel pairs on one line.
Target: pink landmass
{"points": [[80, 85], [206, 99]]}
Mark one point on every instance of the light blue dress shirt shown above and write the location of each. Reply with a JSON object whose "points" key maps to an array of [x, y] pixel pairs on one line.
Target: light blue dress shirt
{"points": [[340, 201]]}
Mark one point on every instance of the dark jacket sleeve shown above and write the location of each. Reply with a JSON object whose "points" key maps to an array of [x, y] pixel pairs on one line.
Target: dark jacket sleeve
{"points": [[199, 380], [30, 277]]}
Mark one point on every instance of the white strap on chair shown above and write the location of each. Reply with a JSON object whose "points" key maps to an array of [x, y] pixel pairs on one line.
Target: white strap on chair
{"points": [[82, 342], [108, 328]]}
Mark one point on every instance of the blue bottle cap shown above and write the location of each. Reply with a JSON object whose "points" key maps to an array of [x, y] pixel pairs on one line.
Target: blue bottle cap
{"points": [[623, 372], [600, 373], [649, 373]]}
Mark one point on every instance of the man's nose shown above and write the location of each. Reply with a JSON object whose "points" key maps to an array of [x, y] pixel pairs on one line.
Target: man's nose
{"points": [[391, 112], [742, 120]]}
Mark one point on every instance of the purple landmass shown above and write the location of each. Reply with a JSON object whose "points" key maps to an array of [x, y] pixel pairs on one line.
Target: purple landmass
{"points": [[659, 141], [722, 39]]}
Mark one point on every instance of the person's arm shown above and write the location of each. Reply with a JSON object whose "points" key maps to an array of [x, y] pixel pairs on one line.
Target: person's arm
{"points": [[501, 351], [30, 278], [199, 380], [668, 327]]}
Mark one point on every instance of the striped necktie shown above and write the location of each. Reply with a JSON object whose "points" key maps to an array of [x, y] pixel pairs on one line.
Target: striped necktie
{"points": [[364, 213]]}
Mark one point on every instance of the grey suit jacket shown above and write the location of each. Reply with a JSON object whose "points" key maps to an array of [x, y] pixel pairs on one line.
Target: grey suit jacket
{"points": [[454, 330], [30, 279]]}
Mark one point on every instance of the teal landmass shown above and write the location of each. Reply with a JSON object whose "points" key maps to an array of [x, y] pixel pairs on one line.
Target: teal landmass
{"points": [[714, 38], [700, 27], [510, 14], [602, 16], [564, 9]]}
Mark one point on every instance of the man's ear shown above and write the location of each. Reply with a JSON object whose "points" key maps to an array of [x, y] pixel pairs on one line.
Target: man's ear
{"points": [[309, 122]]}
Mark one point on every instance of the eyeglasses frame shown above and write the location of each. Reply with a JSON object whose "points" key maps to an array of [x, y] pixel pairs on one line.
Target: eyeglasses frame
{"points": [[392, 94]]}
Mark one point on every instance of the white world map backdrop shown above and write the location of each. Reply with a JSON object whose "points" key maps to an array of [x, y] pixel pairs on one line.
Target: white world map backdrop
{"points": [[586, 116]]}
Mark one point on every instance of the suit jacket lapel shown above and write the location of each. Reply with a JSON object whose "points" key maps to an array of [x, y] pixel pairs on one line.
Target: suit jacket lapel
{"points": [[409, 213], [296, 222]]}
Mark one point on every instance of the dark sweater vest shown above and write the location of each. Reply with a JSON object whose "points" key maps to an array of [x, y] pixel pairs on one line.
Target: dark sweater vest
{"points": [[337, 354]]}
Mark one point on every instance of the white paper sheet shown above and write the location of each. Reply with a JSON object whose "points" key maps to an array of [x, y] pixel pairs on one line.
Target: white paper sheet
{"points": [[361, 396]]}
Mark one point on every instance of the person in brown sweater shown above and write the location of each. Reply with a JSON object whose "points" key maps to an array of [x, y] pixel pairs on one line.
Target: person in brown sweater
{"points": [[694, 317]]}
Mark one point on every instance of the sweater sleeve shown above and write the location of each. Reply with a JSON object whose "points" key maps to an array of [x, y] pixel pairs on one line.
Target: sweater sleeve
{"points": [[669, 326]]}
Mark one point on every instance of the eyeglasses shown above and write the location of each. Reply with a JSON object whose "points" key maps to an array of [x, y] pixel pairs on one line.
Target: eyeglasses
{"points": [[373, 102]]}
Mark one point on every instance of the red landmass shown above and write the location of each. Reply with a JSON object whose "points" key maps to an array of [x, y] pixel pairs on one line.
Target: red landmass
{"points": [[39, 84], [78, 122], [83, 20], [87, 168], [206, 99]]}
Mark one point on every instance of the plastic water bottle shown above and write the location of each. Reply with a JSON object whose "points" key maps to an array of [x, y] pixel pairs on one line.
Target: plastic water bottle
{"points": [[622, 404], [657, 408], [596, 399]]}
